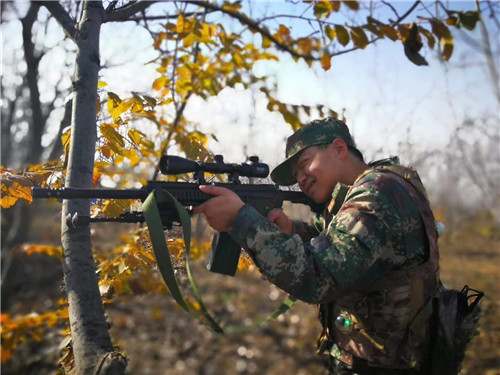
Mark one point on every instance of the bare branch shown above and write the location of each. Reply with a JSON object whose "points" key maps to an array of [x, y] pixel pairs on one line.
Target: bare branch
{"points": [[67, 23], [125, 12]]}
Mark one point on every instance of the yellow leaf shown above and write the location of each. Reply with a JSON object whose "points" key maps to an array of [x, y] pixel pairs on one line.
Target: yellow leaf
{"points": [[189, 40], [180, 24], [447, 48], [147, 143], [326, 61], [115, 207], [106, 151], [244, 263], [430, 38], [65, 137], [7, 201], [96, 177], [14, 187], [161, 36], [305, 44], [232, 7], [160, 83], [284, 32], [101, 84], [114, 105], [323, 8], [112, 135], [445, 38], [135, 136], [266, 43], [6, 354], [51, 251], [238, 60], [330, 32]]}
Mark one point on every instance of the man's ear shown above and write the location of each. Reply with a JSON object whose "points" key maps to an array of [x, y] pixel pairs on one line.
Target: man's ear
{"points": [[339, 147]]}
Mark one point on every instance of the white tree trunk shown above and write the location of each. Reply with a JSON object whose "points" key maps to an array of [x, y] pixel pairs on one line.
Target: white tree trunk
{"points": [[92, 346]]}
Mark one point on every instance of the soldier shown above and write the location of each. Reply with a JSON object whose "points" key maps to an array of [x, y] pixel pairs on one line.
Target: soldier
{"points": [[372, 265]]}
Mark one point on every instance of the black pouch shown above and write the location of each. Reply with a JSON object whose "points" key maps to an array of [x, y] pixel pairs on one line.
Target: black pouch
{"points": [[456, 322]]}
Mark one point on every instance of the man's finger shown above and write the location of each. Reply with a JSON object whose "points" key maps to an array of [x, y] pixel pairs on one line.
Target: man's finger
{"points": [[213, 190], [200, 209], [274, 214]]}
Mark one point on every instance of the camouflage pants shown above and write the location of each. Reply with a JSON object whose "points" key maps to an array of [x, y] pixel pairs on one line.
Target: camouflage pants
{"points": [[337, 367]]}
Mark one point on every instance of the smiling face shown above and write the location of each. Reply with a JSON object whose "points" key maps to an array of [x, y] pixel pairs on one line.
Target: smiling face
{"points": [[318, 169]]}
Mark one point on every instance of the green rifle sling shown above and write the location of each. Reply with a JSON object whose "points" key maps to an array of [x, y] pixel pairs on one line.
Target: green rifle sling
{"points": [[162, 254]]}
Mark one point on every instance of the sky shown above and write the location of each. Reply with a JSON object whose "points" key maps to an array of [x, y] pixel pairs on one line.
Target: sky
{"points": [[384, 97]]}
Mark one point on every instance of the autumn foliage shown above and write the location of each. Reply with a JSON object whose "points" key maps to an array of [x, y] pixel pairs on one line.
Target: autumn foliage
{"points": [[199, 55]]}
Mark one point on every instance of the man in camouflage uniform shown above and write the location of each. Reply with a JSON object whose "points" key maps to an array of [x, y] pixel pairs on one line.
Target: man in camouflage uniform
{"points": [[373, 264]]}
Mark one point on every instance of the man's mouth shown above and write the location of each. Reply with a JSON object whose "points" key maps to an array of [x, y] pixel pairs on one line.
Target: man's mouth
{"points": [[309, 184]]}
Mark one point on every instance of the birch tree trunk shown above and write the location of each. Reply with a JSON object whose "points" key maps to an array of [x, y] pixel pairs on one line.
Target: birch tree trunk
{"points": [[92, 346]]}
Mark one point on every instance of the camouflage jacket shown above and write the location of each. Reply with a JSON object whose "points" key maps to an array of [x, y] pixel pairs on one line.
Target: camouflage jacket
{"points": [[353, 266]]}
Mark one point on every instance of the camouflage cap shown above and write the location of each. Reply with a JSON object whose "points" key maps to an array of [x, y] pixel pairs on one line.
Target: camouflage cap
{"points": [[315, 133]]}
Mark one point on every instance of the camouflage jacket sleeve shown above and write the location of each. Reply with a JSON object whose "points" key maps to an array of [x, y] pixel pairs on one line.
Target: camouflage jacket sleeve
{"points": [[306, 231], [371, 233]]}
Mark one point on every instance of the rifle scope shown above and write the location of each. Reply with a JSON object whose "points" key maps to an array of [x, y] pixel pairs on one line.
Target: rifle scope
{"points": [[170, 165]]}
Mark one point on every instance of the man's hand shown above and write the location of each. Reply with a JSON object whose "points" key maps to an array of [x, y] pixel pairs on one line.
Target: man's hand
{"points": [[221, 210], [278, 217]]}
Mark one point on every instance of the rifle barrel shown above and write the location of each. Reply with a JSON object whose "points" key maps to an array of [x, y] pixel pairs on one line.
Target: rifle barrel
{"points": [[75, 193]]}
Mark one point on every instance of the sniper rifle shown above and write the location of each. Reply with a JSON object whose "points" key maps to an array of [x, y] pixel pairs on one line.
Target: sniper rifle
{"points": [[225, 252]]}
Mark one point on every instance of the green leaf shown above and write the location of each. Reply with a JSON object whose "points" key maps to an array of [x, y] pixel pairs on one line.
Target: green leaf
{"points": [[342, 35], [469, 19], [354, 5], [389, 32], [373, 29], [359, 37]]}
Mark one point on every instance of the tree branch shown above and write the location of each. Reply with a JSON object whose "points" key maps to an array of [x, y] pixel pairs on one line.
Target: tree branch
{"points": [[125, 12], [67, 23], [253, 25], [256, 27]]}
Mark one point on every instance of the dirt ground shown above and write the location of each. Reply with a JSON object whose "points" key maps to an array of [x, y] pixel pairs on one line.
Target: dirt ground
{"points": [[159, 338]]}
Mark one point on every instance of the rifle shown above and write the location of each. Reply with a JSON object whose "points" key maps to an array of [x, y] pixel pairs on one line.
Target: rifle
{"points": [[225, 252]]}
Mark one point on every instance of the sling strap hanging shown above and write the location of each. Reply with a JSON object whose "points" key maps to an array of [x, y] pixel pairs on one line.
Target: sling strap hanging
{"points": [[162, 254]]}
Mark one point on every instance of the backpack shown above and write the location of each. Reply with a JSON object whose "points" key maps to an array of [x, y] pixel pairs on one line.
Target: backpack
{"points": [[456, 321]]}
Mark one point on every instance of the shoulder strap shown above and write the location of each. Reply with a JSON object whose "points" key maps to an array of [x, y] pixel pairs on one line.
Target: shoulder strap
{"points": [[162, 254]]}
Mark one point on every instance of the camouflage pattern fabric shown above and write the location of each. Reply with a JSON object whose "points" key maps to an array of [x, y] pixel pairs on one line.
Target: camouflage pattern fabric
{"points": [[378, 229]]}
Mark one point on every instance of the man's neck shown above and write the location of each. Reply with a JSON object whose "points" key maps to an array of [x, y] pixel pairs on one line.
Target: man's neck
{"points": [[357, 168]]}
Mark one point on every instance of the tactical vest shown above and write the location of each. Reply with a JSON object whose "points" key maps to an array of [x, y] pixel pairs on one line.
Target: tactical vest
{"points": [[386, 324]]}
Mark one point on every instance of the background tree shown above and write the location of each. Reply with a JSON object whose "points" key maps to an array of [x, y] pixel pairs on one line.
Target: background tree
{"points": [[203, 47]]}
